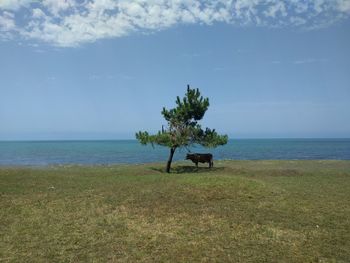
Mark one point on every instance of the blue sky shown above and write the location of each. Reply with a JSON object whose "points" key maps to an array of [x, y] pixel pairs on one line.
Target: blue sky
{"points": [[104, 69]]}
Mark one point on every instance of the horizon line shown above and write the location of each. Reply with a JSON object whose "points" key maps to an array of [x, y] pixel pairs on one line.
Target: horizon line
{"points": [[230, 139]]}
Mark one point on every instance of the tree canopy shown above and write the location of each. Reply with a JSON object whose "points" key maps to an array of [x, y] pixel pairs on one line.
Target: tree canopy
{"points": [[183, 129]]}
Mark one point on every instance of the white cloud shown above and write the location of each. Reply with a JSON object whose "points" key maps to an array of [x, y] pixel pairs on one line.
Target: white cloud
{"points": [[71, 22], [273, 10], [300, 7], [38, 13], [57, 6], [14, 4], [344, 6], [7, 21]]}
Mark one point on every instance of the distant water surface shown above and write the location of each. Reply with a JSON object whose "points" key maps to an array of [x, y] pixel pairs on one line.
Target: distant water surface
{"points": [[39, 153]]}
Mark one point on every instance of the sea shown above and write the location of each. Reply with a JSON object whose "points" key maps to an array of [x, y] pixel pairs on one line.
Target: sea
{"points": [[43, 153]]}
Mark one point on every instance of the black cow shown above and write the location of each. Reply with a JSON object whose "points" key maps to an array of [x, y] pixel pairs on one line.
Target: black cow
{"points": [[201, 158]]}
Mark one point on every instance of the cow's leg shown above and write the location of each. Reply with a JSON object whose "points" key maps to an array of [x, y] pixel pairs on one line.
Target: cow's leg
{"points": [[197, 164], [212, 163]]}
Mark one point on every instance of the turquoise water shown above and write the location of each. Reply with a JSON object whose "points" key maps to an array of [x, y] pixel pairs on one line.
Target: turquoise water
{"points": [[130, 151]]}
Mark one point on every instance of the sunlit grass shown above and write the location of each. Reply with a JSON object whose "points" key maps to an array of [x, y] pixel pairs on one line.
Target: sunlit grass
{"points": [[240, 211]]}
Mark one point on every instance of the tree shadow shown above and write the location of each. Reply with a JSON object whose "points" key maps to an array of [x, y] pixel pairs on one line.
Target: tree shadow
{"points": [[182, 169]]}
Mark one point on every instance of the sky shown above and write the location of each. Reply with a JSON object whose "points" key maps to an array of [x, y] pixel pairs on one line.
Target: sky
{"points": [[104, 69]]}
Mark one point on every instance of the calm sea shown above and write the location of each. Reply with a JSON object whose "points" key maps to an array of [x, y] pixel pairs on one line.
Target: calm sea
{"points": [[130, 151]]}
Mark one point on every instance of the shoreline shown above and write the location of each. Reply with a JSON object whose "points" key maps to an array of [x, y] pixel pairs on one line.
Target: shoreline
{"points": [[175, 163]]}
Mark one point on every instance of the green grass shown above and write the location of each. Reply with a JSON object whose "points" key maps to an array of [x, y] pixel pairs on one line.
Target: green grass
{"points": [[240, 211]]}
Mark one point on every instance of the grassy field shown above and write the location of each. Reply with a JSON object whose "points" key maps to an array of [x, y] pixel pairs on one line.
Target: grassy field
{"points": [[240, 211]]}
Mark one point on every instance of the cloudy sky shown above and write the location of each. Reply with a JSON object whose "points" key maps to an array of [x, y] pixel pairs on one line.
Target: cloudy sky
{"points": [[103, 69]]}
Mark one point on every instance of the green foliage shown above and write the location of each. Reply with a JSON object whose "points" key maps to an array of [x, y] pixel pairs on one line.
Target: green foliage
{"points": [[183, 129], [188, 111]]}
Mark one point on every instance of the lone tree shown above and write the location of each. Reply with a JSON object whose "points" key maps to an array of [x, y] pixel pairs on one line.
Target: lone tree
{"points": [[183, 129]]}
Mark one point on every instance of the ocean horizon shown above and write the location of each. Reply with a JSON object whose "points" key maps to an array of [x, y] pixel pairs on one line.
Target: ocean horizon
{"points": [[109, 152]]}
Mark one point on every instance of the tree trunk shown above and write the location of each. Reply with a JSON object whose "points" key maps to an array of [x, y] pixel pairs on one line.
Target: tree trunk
{"points": [[168, 165]]}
